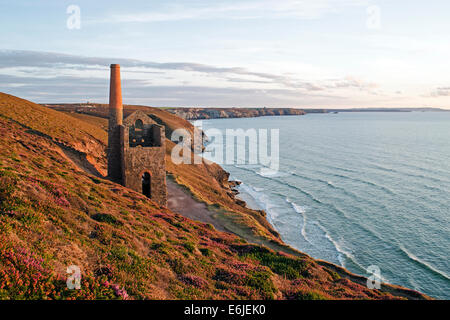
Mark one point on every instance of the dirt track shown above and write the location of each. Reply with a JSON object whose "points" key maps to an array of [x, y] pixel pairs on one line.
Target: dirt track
{"points": [[182, 202]]}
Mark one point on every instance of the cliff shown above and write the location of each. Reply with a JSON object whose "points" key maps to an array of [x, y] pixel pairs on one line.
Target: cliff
{"points": [[214, 113], [56, 210]]}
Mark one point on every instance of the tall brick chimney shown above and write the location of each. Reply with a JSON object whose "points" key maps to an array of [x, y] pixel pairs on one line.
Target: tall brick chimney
{"points": [[115, 121], [115, 97]]}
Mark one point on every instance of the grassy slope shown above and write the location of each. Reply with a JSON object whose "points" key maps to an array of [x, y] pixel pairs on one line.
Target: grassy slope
{"points": [[52, 214], [78, 136]]}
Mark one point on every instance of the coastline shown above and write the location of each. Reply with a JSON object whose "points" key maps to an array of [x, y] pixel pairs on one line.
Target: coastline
{"points": [[215, 216]]}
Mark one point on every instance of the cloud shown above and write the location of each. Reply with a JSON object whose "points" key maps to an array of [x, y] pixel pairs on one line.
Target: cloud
{"points": [[244, 9], [77, 89], [55, 77], [353, 82], [441, 92], [20, 59]]}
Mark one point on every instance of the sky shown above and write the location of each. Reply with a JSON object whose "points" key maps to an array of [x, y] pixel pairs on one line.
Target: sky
{"points": [[229, 53]]}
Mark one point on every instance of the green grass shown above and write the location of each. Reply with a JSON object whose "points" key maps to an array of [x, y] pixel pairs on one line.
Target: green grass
{"points": [[261, 281], [289, 267], [107, 218], [310, 295], [189, 246], [206, 252]]}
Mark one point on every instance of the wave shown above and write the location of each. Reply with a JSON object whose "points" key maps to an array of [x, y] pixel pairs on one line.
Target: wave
{"points": [[370, 162], [247, 166], [341, 252], [343, 190], [342, 176], [302, 211], [424, 264], [312, 179], [261, 199], [280, 174], [369, 183], [309, 195], [414, 173], [265, 172], [318, 201], [331, 207], [272, 178], [408, 173], [340, 168], [345, 253], [433, 188], [268, 173], [328, 183]]}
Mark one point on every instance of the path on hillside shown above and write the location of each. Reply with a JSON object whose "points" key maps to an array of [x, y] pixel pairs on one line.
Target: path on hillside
{"points": [[182, 202]]}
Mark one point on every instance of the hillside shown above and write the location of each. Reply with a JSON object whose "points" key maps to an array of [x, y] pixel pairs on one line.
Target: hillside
{"points": [[54, 214], [85, 140]]}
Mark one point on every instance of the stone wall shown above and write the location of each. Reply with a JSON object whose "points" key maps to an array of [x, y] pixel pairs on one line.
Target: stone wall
{"points": [[138, 160]]}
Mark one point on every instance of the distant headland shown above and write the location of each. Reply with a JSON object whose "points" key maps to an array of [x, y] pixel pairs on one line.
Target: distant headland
{"points": [[201, 113]]}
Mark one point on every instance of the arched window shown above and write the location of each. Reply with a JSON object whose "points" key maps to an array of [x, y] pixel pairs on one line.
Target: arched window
{"points": [[138, 125], [147, 185], [139, 134]]}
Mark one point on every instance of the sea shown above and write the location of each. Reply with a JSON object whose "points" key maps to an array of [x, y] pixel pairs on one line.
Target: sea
{"points": [[358, 189]]}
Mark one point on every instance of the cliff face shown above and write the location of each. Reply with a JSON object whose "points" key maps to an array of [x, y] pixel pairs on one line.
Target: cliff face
{"points": [[214, 113]]}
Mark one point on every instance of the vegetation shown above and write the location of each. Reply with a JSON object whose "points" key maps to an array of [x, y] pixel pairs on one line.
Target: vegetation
{"points": [[53, 215]]}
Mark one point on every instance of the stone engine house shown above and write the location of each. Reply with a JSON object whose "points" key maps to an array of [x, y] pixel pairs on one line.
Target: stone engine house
{"points": [[136, 147]]}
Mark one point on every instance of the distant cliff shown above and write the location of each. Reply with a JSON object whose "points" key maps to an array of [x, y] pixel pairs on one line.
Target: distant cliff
{"points": [[214, 113]]}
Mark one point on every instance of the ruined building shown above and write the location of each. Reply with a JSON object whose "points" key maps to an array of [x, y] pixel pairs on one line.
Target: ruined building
{"points": [[136, 147]]}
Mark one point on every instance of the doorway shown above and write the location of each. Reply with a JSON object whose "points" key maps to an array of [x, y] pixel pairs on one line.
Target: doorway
{"points": [[146, 185]]}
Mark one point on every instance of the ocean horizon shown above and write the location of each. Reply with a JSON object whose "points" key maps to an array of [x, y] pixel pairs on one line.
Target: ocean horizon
{"points": [[359, 190]]}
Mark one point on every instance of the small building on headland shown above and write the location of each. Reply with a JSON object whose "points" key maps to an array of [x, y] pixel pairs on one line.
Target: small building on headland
{"points": [[136, 147]]}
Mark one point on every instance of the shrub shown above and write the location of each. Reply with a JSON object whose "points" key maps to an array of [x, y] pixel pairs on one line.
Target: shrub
{"points": [[95, 180], [178, 266], [260, 280], [206, 252], [8, 182], [161, 247], [291, 268], [309, 295], [189, 246], [230, 276], [194, 280], [108, 218]]}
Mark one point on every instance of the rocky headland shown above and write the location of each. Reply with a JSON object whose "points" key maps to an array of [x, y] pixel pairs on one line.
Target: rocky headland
{"points": [[216, 113]]}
